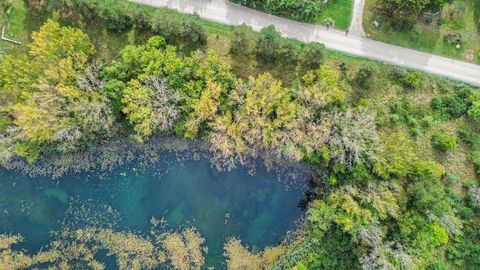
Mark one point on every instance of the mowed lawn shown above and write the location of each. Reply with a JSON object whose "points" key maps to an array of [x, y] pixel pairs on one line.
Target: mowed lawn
{"points": [[339, 10], [459, 17]]}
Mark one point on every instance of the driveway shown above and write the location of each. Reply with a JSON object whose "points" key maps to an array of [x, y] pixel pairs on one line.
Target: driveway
{"points": [[354, 43]]}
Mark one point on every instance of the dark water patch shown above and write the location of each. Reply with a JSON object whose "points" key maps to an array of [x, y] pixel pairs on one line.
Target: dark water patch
{"points": [[256, 208]]}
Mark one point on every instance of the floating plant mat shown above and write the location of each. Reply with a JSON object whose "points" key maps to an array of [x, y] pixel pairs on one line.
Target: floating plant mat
{"points": [[144, 208]]}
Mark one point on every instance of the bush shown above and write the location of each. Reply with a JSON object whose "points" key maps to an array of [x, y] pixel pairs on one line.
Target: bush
{"points": [[427, 121], [269, 44], [363, 76], [289, 52], [436, 103], [474, 100], [411, 80], [454, 106], [303, 10], [470, 137], [444, 142], [142, 19], [166, 26], [475, 158], [115, 16], [192, 33], [243, 40], [272, 47], [311, 57]]}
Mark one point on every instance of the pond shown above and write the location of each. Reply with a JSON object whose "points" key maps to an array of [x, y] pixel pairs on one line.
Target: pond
{"points": [[257, 209]]}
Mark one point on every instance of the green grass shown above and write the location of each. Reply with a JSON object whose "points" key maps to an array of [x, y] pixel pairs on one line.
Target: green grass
{"points": [[428, 36], [14, 25], [339, 10]]}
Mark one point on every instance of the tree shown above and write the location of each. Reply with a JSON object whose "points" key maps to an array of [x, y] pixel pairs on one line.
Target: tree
{"points": [[192, 32], [167, 26], [303, 10], [243, 40], [53, 43], [269, 44], [115, 15], [149, 106], [205, 108], [311, 57], [16, 75], [263, 112], [353, 136], [321, 88], [61, 104], [363, 76], [395, 157], [426, 192]]}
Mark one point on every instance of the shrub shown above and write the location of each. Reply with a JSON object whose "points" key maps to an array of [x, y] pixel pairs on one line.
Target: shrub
{"points": [[303, 10], [444, 142], [243, 40], [474, 100], [115, 17], [269, 44], [167, 26], [311, 57], [192, 33], [475, 158], [141, 19], [453, 39], [427, 121], [411, 80], [454, 106], [289, 52], [436, 103], [363, 76], [471, 138]]}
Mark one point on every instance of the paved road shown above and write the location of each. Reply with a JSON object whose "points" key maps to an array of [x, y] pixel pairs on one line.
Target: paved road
{"points": [[225, 12]]}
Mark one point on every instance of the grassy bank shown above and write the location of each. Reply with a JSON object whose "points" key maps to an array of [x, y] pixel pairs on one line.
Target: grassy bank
{"points": [[428, 33], [340, 11]]}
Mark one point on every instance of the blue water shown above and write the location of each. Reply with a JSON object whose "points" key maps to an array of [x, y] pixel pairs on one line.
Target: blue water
{"points": [[189, 194]]}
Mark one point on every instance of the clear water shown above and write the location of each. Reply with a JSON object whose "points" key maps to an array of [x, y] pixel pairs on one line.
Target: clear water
{"points": [[193, 194]]}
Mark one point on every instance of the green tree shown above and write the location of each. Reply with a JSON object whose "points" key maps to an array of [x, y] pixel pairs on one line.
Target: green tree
{"points": [[269, 44], [363, 76], [149, 106], [192, 32], [53, 43], [243, 40], [395, 157], [311, 57]]}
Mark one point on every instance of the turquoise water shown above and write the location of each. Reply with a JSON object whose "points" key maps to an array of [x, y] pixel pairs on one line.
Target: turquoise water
{"points": [[192, 194]]}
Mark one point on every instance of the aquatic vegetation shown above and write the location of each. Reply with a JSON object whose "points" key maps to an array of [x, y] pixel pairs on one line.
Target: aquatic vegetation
{"points": [[239, 257], [184, 250], [78, 249]]}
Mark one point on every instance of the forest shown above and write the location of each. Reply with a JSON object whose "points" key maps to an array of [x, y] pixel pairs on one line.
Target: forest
{"points": [[396, 153]]}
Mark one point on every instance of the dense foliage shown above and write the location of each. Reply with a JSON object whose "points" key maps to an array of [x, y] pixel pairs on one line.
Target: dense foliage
{"points": [[377, 201], [303, 10]]}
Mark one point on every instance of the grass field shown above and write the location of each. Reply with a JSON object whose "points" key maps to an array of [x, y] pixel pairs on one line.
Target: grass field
{"points": [[461, 16], [338, 10]]}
